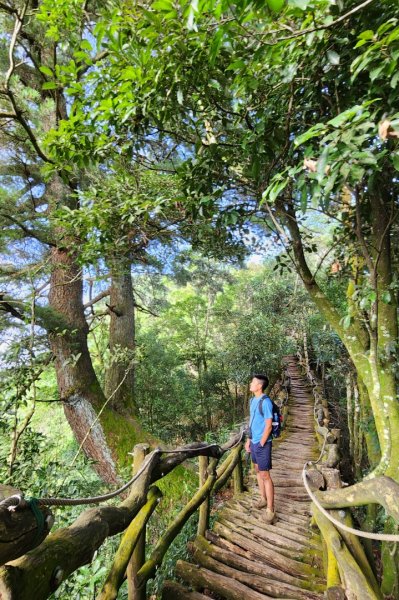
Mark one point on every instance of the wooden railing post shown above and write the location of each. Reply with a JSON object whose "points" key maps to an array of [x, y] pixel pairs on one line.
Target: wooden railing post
{"points": [[204, 509], [140, 451], [238, 477]]}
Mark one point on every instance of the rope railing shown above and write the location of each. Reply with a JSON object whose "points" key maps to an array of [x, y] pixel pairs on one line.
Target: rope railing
{"points": [[18, 501], [384, 537]]}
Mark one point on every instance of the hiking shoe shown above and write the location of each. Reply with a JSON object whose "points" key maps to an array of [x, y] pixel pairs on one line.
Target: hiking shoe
{"points": [[261, 504], [270, 516]]}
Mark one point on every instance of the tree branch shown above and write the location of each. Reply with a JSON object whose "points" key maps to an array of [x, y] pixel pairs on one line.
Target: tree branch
{"points": [[29, 232], [19, 19], [6, 307], [320, 299], [97, 298], [8, 9], [297, 34], [18, 114]]}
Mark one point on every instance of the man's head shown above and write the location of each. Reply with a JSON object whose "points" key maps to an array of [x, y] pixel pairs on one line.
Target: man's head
{"points": [[259, 384]]}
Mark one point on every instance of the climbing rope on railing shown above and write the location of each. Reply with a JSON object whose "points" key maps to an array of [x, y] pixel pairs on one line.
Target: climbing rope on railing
{"points": [[18, 501], [385, 537]]}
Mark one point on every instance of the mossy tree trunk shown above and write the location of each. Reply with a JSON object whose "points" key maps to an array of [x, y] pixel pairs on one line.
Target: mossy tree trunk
{"points": [[78, 386], [119, 378]]}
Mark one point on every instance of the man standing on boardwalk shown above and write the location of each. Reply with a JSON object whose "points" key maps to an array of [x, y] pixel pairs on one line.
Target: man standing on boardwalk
{"points": [[260, 444]]}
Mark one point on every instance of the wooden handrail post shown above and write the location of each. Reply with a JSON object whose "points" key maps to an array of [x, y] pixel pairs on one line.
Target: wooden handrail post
{"points": [[204, 509], [140, 451], [238, 477]]}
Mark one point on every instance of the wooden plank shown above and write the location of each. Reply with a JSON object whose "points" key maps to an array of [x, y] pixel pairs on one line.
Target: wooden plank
{"points": [[272, 557], [221, 585], [258, 582]]}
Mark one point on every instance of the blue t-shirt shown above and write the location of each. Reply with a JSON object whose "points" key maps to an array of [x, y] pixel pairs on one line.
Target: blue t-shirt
{"points": [[257, 421]]}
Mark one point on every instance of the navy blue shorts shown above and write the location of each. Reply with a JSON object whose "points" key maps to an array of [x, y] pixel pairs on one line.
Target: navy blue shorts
{"points": [[262, 455]]}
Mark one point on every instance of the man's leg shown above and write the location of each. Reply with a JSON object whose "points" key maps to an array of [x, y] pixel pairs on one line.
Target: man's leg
{"points": [[261, 486], [263, 501], [266, 486]]}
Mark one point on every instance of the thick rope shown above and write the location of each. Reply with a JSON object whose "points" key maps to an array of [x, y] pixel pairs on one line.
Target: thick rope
{"points": [[17, 501], [385, 537]]}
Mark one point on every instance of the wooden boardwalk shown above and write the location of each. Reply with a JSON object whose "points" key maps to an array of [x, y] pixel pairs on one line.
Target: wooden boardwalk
{"points": [[244, 558]]}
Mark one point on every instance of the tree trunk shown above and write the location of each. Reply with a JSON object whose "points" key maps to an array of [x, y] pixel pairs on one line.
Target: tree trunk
{"points": [[77, 382], [119, 379], [369, 430]]}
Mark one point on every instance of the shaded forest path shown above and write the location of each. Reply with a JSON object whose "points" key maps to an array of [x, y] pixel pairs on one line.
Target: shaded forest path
{"points": [[244, 558]]}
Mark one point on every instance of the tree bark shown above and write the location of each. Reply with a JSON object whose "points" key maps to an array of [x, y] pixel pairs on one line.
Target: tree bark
{"points": [[119, 378], [78, 386]]}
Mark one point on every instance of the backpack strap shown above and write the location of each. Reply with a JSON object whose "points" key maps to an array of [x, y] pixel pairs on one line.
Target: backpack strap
{"points": [[260, 405]]}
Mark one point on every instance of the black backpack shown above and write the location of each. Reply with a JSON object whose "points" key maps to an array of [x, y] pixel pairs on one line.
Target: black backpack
{"points": [[277, 417]]}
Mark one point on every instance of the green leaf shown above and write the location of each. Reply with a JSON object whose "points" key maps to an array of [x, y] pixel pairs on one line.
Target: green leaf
{"points": [[366, 35], [275, 5], [304, 199], [386, 297], [395, 160], [85, 45], [322, 163], [49, 85], [179, 96], [302, 4], [333, 57], [162, 5], [346, 115], [395, 80], [310, 133], [375, 72], [237, 64], [46, 71], [272, 192]]}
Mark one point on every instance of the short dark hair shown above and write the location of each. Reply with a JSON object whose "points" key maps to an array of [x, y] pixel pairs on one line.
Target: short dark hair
{"points": [[263, 378]]}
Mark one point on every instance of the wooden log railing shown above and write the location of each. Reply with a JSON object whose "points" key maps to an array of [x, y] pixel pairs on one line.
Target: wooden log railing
{"points": [[39, 573], [348, 570]]}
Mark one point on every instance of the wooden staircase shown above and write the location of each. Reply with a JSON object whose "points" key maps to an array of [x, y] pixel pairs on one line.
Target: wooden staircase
{"points": [[244, 558]]}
